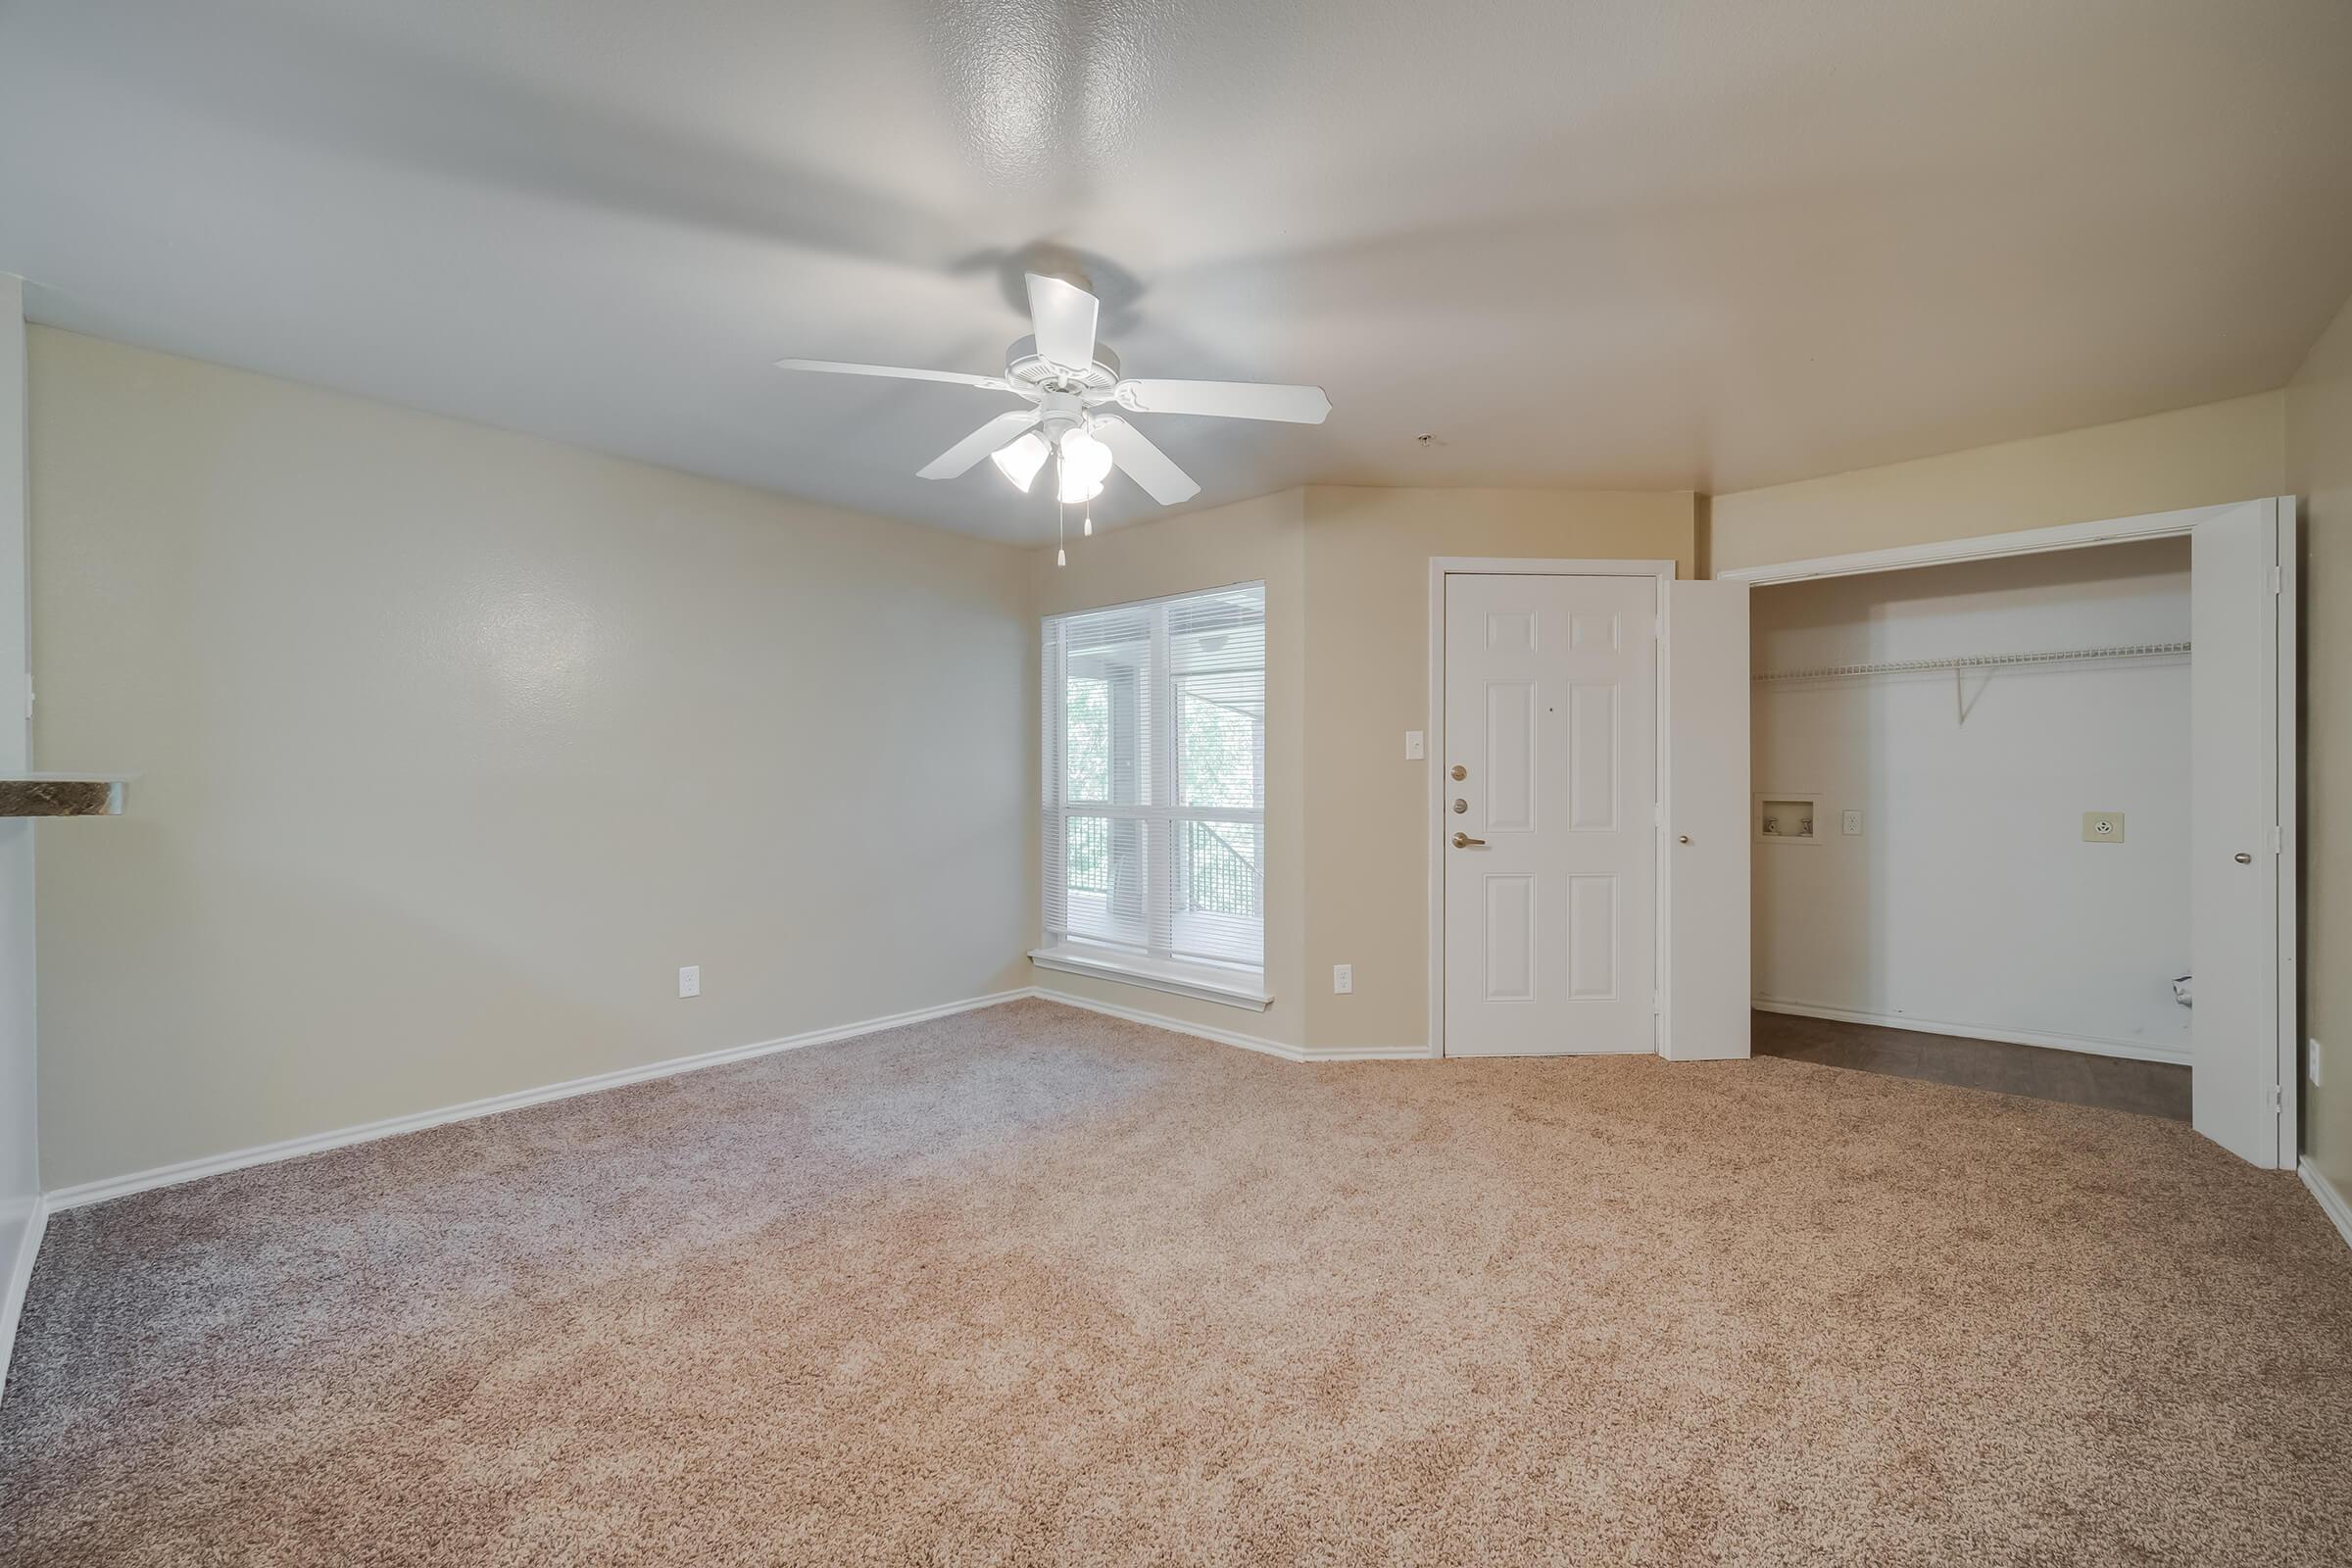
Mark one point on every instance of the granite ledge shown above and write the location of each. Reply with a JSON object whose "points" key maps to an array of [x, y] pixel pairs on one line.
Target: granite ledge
{"points": [[60, 794]]}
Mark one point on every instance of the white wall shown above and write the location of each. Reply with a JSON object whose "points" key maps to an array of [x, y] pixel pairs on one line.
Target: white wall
{"points": [[20, 1172], [455, 744], [1970, 898]]}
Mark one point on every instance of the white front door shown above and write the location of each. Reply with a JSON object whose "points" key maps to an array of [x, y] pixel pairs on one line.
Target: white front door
{"points": [[1551, 856], [2239, 881]]}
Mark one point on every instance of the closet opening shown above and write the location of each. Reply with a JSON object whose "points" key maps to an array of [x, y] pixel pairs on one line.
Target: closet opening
{"points": [[1971, 823]]}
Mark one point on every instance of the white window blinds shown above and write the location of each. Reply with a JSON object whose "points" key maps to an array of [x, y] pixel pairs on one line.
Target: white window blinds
{"points": [[1154, 729]]}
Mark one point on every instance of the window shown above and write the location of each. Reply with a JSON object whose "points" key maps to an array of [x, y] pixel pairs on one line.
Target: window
{"points": [[1154, 729]]}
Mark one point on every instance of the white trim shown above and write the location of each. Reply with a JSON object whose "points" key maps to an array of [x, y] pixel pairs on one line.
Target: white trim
{"points": [[20, 1280], [2287, 794], [1416, 1051], [1536, 566], [2087, 1044], [1229, 1037], [1983, 547], [2331, 1202], [1197, 981], [188, 1170], [1161, 1021]]}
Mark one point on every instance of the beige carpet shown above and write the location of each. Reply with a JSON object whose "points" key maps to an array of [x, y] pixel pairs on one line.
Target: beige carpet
{"points": [[1033, 1286]]}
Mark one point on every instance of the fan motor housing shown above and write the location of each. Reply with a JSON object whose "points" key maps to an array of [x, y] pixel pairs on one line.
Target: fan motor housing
{"points": [[1025, 367]]}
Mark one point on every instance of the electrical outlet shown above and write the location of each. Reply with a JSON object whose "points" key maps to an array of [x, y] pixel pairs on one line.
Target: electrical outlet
{"points": [[2310, 1063], [1413, 746], [2102, 827], [1343, 979], [690, 980], [1850, 823]]}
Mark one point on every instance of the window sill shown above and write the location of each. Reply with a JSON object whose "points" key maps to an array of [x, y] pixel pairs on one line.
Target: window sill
{"points": [[1232, 988]]}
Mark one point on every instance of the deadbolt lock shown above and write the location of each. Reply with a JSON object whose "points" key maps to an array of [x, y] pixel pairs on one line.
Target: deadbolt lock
{"points": [[1459, 772], [1460, 806]]}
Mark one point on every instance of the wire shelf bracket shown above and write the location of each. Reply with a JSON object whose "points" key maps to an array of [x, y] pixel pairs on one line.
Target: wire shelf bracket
{"points": [[1960, 665]]}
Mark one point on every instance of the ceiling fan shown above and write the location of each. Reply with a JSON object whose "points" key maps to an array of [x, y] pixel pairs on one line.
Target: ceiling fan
{"points": [[1071, 383]]}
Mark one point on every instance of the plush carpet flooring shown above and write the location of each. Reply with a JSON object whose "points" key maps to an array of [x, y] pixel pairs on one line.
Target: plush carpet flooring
{"points": [[1033, 1286]]}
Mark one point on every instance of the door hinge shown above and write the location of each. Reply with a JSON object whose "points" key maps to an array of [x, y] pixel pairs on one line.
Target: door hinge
{"points": [[1657, 1004], [2277, 1100], [2277, 840], [1658, 627], [2278, 580], [28, 694]]}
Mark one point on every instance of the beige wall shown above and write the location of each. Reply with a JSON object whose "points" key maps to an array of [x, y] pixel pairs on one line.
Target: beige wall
{"points": [[1347, 573], [1368, 682], [2217, 451], [384, 673], [1249, 541], [2320, 472], [456, 743]]}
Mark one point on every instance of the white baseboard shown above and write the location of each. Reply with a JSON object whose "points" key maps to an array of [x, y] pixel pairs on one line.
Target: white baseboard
{"points": [[2332, 1202], [188, 1170], [1161, 1021], [1231, 1037], [20, 1280], [1416, 1051], [2089, 1045]]}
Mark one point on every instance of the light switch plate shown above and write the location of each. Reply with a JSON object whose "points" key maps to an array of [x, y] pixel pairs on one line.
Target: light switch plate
{"points": [[2102, 827], [1343, 979], [1413, 746], [2310, 1063]]}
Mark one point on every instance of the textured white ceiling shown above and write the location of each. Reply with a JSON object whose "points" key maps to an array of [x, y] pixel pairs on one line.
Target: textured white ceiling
{"points": [[1704, 243]]}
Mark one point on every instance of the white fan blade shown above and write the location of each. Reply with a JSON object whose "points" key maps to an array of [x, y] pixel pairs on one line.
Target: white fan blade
{"points": [[1146, 464], [979, 444], [1064, 314], [1231, 400], [988, 383]]}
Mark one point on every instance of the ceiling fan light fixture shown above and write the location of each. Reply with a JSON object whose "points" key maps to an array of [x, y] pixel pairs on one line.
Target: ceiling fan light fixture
{"points": [[1085, 465], [1019, 460]]}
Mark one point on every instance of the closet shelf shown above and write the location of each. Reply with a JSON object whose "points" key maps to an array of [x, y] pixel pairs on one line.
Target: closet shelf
{"points": [[1979, 661]]}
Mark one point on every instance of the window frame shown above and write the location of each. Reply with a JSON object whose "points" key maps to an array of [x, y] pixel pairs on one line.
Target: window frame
{"points": [[1151, 962]]}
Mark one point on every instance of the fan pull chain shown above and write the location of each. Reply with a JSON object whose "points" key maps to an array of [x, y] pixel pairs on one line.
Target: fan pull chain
{"points": [[1089, 529], [1061, 529]]}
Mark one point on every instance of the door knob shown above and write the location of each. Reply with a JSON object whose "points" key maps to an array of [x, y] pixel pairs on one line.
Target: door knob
{"points": [[2244, 858], [1463, 840], [1684, 839]]}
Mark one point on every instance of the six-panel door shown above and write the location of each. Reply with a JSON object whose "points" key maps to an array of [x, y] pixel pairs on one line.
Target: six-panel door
{"points": [[1552, 858]]}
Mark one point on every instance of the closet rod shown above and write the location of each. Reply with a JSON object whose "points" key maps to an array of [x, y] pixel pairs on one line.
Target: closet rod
{"points": [[1980, 662]]}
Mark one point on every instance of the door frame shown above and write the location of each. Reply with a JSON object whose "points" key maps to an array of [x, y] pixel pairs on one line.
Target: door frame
{"points": [[2285, 765], [1439, 568]]}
